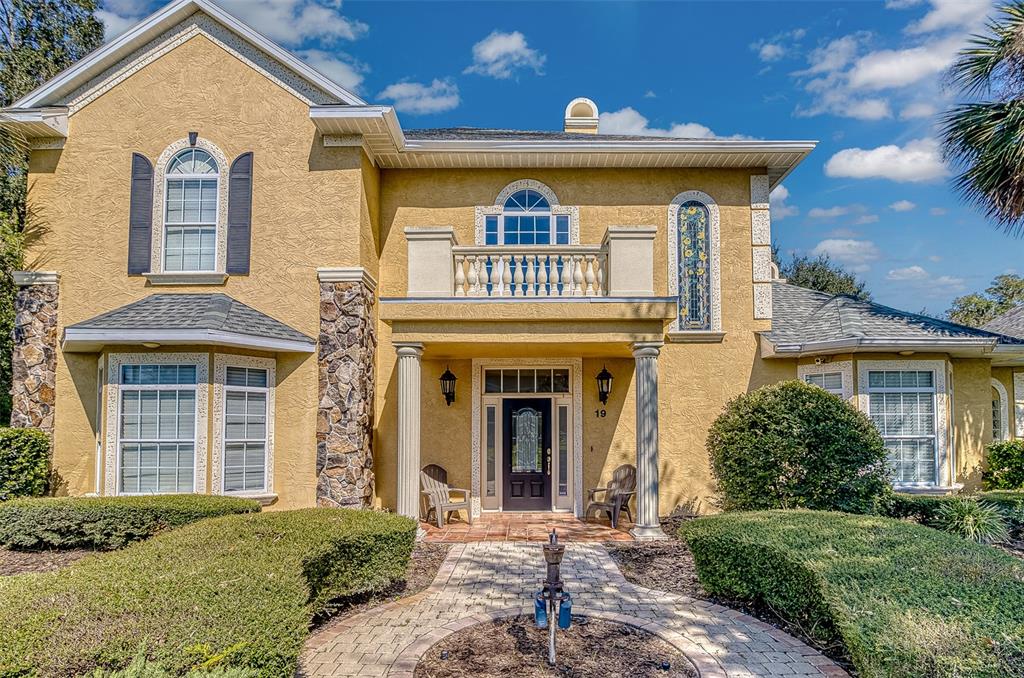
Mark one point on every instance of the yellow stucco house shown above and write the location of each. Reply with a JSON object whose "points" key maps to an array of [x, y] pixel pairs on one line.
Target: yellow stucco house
{"points": [[251, 281]]}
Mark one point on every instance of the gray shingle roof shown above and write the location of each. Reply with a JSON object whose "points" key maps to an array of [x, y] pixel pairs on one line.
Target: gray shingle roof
{"points": [[484, 134], [1010, 323], [803, 316], [215, 312]]}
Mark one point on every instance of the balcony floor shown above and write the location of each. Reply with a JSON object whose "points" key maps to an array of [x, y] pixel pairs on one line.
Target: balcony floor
{"points": [[527, 526]]}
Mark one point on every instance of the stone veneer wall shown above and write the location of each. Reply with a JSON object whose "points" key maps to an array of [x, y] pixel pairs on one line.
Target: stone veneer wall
{"points": [[344, 427], [34, 362]]}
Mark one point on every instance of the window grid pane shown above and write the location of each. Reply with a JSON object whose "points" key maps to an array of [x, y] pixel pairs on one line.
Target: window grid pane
{"points": [[901, 404], [245, 429], [526, 381]]}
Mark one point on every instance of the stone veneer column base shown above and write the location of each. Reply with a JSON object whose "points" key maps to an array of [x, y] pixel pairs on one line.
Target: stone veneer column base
{"points": [[34, 359], [344, 428]]}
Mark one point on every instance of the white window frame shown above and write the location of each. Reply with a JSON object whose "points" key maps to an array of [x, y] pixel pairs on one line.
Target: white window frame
{"points": [[221, 362], [843, 367], [1004, 412], [113, 447], [714, 246], [943, 466], [159, 234], [498, 209], [168, 178]]}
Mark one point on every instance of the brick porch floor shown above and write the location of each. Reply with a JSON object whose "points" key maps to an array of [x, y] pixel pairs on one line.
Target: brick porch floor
{"points": [[527, 527]]}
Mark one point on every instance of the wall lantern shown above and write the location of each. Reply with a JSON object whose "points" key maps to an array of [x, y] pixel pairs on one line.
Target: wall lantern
{"points": [[604, 384], [448, 386]]}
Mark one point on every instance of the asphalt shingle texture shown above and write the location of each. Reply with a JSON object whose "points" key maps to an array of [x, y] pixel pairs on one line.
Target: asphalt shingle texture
{"points": [[1010, 323], [193, 311]]}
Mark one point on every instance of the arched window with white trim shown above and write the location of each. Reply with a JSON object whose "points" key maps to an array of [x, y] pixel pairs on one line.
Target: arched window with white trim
{"points": [[1000, 412], [191, 211], [526, 212], [693, 262]]}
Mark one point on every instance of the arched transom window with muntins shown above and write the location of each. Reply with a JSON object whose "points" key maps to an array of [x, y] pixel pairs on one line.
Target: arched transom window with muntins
{"points": [[526, 212], [693, 224], [190, 217]]}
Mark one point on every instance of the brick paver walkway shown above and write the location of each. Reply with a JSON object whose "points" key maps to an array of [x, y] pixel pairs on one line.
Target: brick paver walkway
{"points": [[532, 526], [485, 580]]}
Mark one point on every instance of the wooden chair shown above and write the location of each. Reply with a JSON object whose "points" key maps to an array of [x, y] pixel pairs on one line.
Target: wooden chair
{"points": [[438, 495], [617, 493]]}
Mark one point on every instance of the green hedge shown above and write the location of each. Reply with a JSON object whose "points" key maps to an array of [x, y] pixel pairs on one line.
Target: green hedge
{"points": [[238, 591], [923, 507], [905, 600], [1005, 468], [106, 522], [24, 463]]}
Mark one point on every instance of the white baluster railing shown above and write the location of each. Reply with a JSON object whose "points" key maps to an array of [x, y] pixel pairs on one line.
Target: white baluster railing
{"points": [[526, 271]]}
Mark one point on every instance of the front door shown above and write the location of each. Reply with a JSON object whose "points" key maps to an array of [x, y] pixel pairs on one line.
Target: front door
{"points": [[527, 457]]}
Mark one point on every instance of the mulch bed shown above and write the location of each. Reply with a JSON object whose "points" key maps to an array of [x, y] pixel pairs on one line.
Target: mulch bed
{"points": [[424, 563], [668, 566], [25, 562], [516, 647]]}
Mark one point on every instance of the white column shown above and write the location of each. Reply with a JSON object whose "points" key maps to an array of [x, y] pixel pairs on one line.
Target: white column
{"points": [[409, 355], [647, 525]]}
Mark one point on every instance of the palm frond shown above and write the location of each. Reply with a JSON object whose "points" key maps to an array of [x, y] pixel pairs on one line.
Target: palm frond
{"points": [[993, 63]]}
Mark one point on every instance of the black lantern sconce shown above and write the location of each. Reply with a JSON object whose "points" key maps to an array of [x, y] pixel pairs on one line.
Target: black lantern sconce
{"points": [[604, 384], [448, 386]]}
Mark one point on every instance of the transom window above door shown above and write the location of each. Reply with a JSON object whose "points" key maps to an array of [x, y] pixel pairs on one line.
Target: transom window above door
{"points": [[526, 381], [190, 212]]}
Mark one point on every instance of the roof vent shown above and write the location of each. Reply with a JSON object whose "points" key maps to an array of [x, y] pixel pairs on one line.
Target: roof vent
{"points": [[581, 116]]}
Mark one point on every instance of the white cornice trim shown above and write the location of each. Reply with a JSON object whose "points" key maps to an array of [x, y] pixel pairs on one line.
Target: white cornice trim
{"points": [[880, 344], [79, 340], [185, 278], [346, 274], [48, 122], [25, 278]]}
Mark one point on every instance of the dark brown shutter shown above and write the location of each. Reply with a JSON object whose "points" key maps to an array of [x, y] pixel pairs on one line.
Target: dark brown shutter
{"points": [[140, 219], [239, 215]]}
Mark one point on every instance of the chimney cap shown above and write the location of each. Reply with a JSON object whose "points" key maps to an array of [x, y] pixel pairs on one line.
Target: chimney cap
{"points": [[581, 115]]}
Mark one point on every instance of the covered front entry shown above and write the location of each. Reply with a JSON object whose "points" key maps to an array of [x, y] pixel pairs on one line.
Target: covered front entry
{"points": [[526, 454]]}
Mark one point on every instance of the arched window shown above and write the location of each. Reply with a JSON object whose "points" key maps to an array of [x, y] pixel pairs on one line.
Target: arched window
{"points": [[694, 264], [1000, 412], [526, 219], [190, 212]]}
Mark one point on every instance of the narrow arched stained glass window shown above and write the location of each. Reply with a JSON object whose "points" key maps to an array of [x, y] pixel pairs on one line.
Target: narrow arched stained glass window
{"points": [[694, 266]]}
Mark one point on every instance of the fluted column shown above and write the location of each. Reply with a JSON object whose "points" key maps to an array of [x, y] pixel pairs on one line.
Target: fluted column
{"points": [[409, 355], [647, 524]]}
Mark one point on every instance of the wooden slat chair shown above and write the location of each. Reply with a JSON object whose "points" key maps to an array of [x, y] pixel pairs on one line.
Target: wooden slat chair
{"points": [[438, 495], [617, 494]]}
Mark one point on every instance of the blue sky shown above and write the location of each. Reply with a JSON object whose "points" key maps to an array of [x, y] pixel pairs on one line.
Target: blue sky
{"points": [[864, 78]]}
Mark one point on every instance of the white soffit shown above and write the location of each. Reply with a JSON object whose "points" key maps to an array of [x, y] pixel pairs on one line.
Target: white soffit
{"points": [[384, 140]]}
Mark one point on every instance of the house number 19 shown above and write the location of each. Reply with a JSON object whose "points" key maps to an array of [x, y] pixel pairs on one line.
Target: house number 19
{"points": [[600, 413]]}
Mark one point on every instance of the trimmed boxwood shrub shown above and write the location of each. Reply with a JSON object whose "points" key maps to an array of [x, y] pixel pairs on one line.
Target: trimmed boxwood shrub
{"points": [[106, 522], [794, 445], [924, 508], [1005, 470], [904, 600], [238, 591], [24, 463]]}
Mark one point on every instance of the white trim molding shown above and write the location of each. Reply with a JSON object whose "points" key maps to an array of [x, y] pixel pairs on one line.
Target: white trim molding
{"points": [[186, 278], [764, 269], [26, 278], [843, 367], [576, 375], [714, 246], [156, 263], [943, 434], [221, 362], [78, 340], [346, 274], [482, 212], [1018, 404], [112, 451], [1004, 411]]}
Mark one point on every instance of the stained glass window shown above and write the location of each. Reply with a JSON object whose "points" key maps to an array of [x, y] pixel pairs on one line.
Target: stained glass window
{"points": [[694, 267]]}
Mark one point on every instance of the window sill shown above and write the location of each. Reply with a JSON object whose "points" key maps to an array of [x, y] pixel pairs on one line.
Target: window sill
{"points": [[186, 278], [263, 499], [928, 489], [696, 337]]}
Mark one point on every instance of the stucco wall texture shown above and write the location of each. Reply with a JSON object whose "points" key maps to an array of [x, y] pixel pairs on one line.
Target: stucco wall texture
{"points": [[332, 207]]}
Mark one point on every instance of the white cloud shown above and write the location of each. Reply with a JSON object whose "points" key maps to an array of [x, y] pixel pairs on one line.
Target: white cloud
{"points": [[918, 160], [771, 52], [499, 55], [856, 255], [834, 56], [865, 219], [935, 258], [777, 201], [951, 13], [901, 4], [917, 110], [649, 94], [902, 206], [291, 22], [938, 211], [348, 74], [891, 68], [115, 23], [908, 273], [843, 233], [630, 121], [830, 212], [417, 98]]}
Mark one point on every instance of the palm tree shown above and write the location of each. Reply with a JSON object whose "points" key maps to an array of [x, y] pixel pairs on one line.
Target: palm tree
{"points": [[984, 139]]}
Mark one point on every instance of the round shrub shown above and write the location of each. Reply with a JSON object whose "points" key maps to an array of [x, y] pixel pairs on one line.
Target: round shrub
{"points": [[24, 463], [1005, 466], [794, 445], [979, 521]]}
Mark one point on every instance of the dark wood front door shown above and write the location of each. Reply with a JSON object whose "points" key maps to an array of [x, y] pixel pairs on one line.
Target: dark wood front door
{"points": [[527, 458]]}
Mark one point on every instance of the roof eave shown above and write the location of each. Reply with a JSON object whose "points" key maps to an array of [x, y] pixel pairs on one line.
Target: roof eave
{"points": [[37, 123], [85, 340], [965, 347]]}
